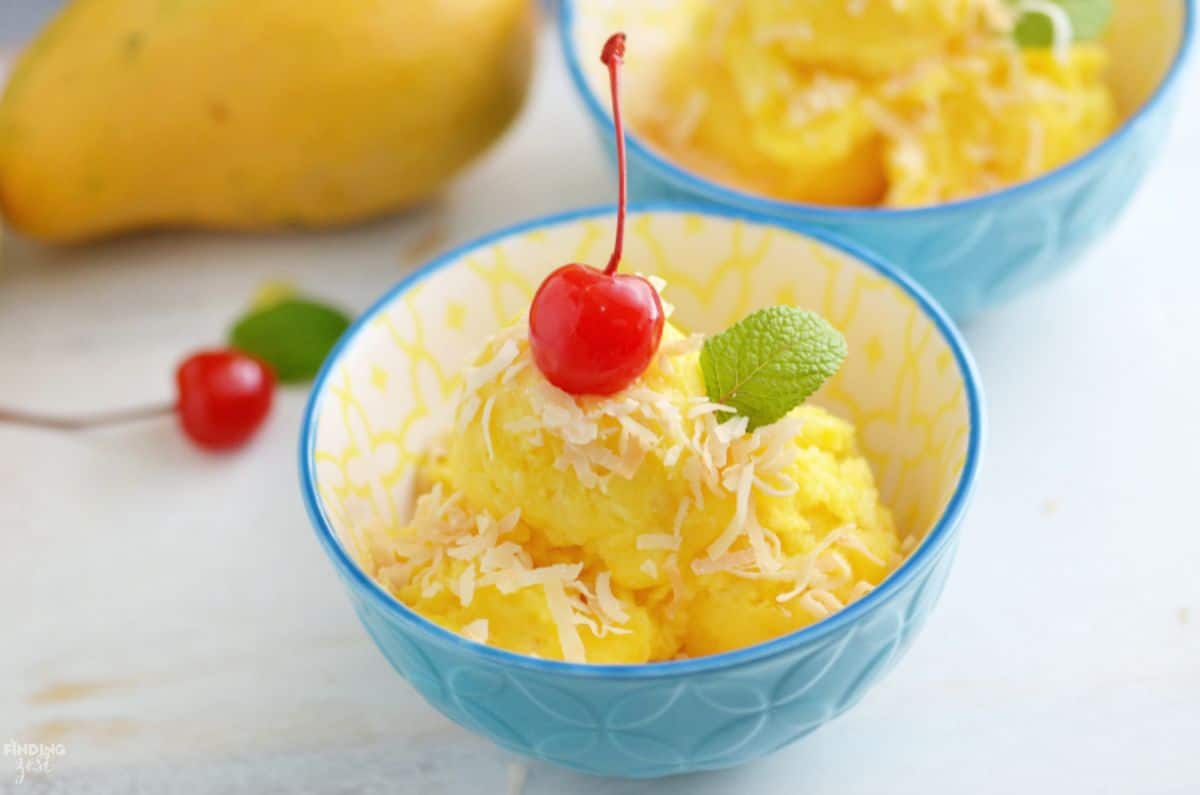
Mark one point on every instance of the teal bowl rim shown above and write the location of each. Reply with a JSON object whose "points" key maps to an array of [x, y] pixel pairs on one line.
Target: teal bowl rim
{"points": [[714, 191], [925, 554]]}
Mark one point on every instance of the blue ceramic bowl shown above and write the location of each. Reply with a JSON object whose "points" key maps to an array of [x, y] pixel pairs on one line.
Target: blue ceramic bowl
{"points": [[968, 254], [386, 391]]}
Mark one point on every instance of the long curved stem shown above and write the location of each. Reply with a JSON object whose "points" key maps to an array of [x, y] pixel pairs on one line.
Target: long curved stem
{"points": [[614, 51], [83, 423]]}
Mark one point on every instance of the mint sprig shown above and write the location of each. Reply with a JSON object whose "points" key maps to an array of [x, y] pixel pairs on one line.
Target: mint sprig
{"points": [[292, 335], [770, 362], [1089, 19]]}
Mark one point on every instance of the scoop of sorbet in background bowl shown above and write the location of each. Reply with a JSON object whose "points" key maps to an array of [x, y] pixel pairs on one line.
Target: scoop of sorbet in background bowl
{"points": [[908, 385], [969, 253]]}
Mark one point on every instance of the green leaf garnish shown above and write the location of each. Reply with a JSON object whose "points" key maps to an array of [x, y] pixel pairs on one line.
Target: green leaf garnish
{"points": [[1089, 19], [292, 335], [770, 361]]}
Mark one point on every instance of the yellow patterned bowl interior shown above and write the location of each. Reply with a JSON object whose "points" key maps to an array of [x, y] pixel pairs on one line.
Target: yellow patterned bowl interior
{"points": [[907, 384]]}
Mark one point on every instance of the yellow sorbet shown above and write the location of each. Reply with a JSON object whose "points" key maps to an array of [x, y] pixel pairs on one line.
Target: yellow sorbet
{"points": [[641, 527], [868, 102]]}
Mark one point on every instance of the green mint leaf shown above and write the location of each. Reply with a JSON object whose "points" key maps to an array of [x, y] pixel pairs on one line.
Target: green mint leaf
{"points": [[293, 336], [770, 361], [1089, 19]]}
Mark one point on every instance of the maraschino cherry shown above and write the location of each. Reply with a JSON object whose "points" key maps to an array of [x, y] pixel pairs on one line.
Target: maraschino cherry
{"points": [[223, 397], [594, 332]]}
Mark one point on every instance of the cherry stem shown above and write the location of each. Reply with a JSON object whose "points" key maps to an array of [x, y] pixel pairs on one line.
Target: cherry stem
{"points": [[67, 423], [614, 51]]}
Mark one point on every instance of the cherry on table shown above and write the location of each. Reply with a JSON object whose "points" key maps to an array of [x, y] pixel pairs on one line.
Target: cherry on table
{"points": [[223, 397], [594, 332]]}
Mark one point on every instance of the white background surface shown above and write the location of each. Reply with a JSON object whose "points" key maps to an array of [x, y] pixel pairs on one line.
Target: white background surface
{"points": [[169, 617]]}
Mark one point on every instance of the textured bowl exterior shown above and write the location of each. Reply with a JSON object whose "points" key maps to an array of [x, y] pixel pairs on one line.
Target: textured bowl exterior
{"points": [[969, 255], [643, 728]]}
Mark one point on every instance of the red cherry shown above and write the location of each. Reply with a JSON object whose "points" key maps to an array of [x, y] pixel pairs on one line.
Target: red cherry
{"points": [[591, 333], [223, 397], [594, 332]]}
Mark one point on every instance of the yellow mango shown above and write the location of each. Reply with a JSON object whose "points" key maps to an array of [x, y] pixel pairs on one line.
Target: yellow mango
{"points": [[128, 114]]}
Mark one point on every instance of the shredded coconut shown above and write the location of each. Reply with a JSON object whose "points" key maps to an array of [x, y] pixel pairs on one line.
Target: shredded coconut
{"points": [[680, 514], [689, 117], [443, 530], [609, 603], [861, 589], [651, 541], [600, 438], [824, 95], [486, 420], [477, 630], [564, 621], [796, 31]]}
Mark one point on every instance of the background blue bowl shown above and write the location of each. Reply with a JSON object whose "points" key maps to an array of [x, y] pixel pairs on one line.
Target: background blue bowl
{"points": [[968, 254], [663, 718]]}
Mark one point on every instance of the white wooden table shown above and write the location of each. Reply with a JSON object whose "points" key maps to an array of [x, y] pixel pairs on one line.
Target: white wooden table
{"points": [[169, 619]]}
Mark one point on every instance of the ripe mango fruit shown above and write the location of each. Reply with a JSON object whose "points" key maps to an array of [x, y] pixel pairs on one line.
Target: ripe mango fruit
{"points": [[228, 114]]}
